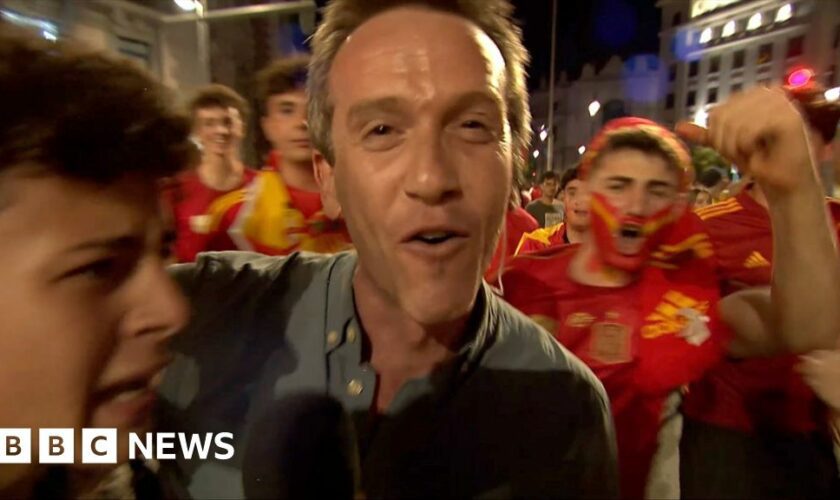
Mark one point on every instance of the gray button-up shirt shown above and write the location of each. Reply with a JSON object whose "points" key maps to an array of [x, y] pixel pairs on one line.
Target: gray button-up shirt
{"points": [[514, 415]]}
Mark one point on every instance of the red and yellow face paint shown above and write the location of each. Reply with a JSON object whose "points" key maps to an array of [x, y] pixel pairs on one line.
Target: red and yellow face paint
{"points": [[607, 222]]}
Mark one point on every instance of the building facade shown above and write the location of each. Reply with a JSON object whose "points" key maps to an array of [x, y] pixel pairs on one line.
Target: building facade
{"points": [[621, 88], [711, 49]]}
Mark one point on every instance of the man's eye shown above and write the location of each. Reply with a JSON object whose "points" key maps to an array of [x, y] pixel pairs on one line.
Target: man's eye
{"points": [[475, 131], [380, 130], [474, 124]]}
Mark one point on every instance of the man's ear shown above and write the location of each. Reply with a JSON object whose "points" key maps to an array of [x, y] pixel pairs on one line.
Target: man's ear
{"points": [[325, 177]]}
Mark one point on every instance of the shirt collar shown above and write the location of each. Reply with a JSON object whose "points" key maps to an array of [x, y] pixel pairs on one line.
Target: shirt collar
{"points": [[341, 311]]}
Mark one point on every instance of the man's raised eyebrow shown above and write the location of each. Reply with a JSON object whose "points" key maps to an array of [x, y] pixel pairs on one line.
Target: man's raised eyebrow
{"points": [[359, 111]]}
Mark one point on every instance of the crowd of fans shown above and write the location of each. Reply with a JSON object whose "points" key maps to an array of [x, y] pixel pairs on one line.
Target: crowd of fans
{"points": [[628, 329]]}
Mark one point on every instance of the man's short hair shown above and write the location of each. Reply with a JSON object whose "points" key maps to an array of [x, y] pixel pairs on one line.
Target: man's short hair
{"points": [[83, 114], [568, 176], [821, 114], [493, 17], [551, 175], [280, 77], [217, 95], [639, 141]]}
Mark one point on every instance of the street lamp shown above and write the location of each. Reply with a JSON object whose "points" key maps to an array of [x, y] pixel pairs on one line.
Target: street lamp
{"points": [[832, 94], [594, 106], [582, 149], [543, 135], [186, 5], [536, 154], [701, 117]]}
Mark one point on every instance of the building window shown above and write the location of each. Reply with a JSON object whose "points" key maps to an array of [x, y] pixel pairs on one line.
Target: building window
{"points": [[754, 22], [712, 97], [693, 68], [672, 73], [677, 19], [669, 101], [136, 50], [765, 53], [735, 88], [714, 65], [728, 29], [706, 35], [738, 60], [784, 13], [691, 99], [795, 47]]}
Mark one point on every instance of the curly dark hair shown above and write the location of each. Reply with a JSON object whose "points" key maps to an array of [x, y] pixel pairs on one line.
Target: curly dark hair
{"points": [[281, 76], [83, 114]]}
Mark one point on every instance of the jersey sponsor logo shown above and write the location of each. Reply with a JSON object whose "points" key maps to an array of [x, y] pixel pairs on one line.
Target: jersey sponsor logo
{"points": [[669, 317], [579, 320], [755, 260], [610, 343]]}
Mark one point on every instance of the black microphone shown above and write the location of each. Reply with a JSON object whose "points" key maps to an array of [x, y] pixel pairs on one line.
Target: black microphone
{"points": [[301, 446]]}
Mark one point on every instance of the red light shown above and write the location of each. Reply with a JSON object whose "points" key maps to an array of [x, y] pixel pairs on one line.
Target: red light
{"points": [[800, 78]]}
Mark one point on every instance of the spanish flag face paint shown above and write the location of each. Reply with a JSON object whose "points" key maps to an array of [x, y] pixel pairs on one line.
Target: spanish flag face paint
{"points": [[625, 241]]}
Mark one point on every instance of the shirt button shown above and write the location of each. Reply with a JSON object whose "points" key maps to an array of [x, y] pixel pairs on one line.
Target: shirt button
{"points": [[332, 338], [354, 387], [351, 334]]}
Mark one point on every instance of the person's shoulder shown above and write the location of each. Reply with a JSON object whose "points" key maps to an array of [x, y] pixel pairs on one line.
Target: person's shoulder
{"points": [[722, 211], [520, 344], [249, 271]]}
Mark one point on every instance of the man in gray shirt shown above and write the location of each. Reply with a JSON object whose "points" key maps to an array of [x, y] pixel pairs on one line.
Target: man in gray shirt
{"points": [[451, 392], [546, 203]]}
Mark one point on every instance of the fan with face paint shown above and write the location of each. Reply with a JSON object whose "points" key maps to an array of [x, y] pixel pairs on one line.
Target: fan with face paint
{"points": [[637, 172]]}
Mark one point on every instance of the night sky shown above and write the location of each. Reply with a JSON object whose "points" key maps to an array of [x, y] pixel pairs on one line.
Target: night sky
{"points": [[587, 31]]}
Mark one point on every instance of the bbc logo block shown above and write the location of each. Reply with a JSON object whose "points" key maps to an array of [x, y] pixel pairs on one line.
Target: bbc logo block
{"points": [[15, 446], [55, 446]]}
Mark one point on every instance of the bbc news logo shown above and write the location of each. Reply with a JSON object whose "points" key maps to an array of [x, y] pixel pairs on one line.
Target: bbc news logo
{"points": [[99, 446]]}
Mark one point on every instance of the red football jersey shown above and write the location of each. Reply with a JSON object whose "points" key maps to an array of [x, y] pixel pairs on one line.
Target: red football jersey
{"points": [[643, 341], [756, 393], [517, 222], [188, 199]]}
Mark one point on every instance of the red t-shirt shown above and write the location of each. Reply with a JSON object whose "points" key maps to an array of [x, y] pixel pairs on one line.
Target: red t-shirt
{"points": [[757, 393], [632, 336], [517, 222], [188, 199]]}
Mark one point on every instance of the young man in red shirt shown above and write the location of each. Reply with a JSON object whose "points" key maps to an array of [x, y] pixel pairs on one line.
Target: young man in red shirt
{"points": [[758, 412], [281, 211], [573, 228], [218, 116], [638, 300]]}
